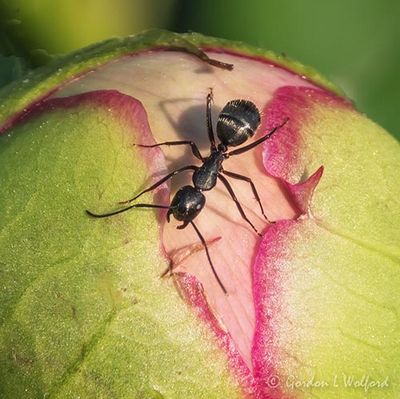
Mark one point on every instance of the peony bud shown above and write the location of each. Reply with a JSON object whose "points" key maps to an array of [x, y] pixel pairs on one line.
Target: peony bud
{"points": [[311, 308]]}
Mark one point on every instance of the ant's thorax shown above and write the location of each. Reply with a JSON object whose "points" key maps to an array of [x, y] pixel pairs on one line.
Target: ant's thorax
{"points": [[205, 178]]}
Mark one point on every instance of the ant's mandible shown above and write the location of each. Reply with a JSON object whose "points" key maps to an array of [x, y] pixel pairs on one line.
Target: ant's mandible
{"points": [[237, 122]]}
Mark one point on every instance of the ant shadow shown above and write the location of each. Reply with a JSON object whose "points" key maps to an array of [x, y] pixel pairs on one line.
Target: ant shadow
{"points": [[191, 125]]}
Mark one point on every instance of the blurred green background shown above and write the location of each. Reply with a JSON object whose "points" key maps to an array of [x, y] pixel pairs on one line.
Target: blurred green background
{"points": [[355, 43]]}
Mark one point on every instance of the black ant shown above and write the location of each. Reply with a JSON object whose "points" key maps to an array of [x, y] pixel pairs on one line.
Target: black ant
{"points": [[237, 122]]}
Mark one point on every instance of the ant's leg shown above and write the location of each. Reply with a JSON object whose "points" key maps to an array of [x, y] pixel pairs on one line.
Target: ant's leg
{"points": [[203, 241], [161, 181], [195, 150], [231, 192], [253, 188], [257, 142], [209, 120], [104, 215]]}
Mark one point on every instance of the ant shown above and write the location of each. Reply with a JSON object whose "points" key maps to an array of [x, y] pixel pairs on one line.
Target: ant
{"points": [[237, 122]]}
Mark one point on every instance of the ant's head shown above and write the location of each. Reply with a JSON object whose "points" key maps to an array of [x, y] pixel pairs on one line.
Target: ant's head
{"points": [[237, 122]]}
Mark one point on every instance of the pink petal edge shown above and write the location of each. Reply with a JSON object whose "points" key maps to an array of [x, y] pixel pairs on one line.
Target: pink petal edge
{"points": [[282, 158]]}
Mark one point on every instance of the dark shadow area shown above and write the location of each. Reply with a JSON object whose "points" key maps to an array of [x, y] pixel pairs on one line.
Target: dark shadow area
{"points": [[191, 125]]}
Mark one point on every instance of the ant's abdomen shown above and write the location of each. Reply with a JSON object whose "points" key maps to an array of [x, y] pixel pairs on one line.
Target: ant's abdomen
{"points": [[237, 122]]}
